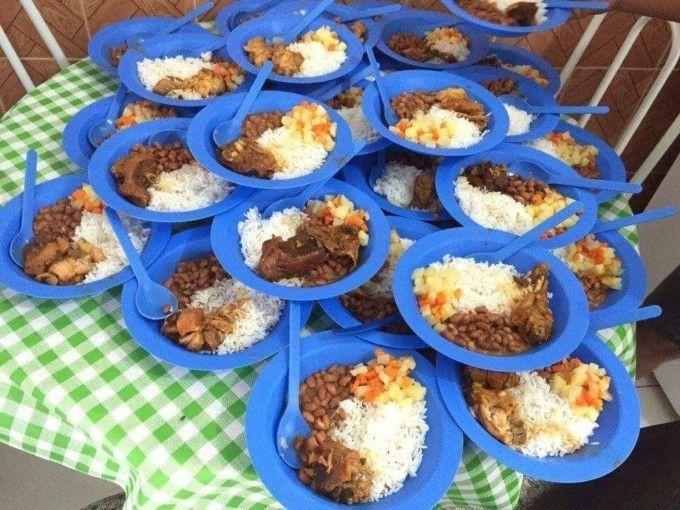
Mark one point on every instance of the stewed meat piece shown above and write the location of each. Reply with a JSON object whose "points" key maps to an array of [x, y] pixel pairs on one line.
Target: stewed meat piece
{"points": [[292, 258], [246, 156], [423, 191], [532, 315], [135, 173]]}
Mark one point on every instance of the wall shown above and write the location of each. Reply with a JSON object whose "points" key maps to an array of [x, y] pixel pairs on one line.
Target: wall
{"points": [[74, 21]]}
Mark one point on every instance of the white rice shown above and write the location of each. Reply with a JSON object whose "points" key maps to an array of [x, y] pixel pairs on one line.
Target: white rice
{"points": [[294, 156], [541, 14], [153, 70], [553, 428], [544, 145], [188, 188], [396, 184], [254, 230], [458, 49], [492, 209], [96, 230], [317, 59], [520, 120], [358, 125], [391, 437], [482, 284], [259, 314]]}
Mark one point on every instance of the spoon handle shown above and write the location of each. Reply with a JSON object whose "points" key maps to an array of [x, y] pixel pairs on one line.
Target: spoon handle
{"points": [[251, 95], [28, 197], [634, 219], [336, 89], [611, 320], [581, 182], [576, 4], [382, 89], [356, 14], [306, 20], [189, 17], [116, 103], [571, 110], [533, 234], [133, 257], [293, 354]]}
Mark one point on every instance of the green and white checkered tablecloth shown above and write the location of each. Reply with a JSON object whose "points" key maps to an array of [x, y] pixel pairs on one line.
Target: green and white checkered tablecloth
{"points": [[77, 390]]}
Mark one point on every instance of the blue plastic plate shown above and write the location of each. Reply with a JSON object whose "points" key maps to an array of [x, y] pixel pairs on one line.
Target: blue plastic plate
{"points": [[363, 177], [421, 24], [235, 13], [633, 280], [608, 162], [610, 445], [555, 18], [116, 34], [202, 145], [226, 243], [444, 441], [48, 193], [118, 146], [525, 159], [187, 45], [568, 302], [275, 26], [374, 146], [528, 89], [515, 55], [432, 81], [75, 141], [407, 228], [187, 245]]}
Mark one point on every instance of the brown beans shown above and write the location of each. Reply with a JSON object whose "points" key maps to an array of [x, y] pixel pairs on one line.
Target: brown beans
{"points": [[194, 275], [57, 220], [257, 123], [484, 331], [167, 157], [367, 307], [492, 177], [595, 290]]}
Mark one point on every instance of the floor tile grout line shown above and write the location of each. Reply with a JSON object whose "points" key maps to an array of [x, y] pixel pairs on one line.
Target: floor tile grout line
{"points": [[85, 20]]}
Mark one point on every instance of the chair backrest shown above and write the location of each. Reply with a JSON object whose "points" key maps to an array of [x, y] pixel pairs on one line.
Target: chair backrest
{"points": [[673, 56]]}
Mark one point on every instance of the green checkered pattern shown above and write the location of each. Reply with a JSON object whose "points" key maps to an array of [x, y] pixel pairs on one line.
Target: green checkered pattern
{"points": [[76, 389]]}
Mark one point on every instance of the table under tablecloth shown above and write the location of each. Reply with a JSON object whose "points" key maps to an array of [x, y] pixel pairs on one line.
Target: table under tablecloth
{"points": [[76, 389]]}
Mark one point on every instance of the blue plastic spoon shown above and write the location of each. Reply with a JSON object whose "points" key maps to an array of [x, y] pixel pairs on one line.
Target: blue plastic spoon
{"points": [[291, 423], [154, 301], [336, 89], [370, 12], [301, 198], [634, 219], [390, 116], [576, 181], [168, 136], [367, 326], [575, 4], [616, 318], [529, 237], [100, 131], [137, 39], [305, 21], [25, 234], [228, 130], [518, 102]]}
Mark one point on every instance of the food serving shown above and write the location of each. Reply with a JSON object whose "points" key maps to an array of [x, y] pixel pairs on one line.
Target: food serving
{"points": [[447, 118], [488, 308], [507, 12], [278, 145], [437, 46], [74, 242], [495, 198], [305, 248], [368, 427], [314, 53], [181, 77], [548, 412], [166, 177], [374, 299], [142, 110], [408, 181], [596, 265], [561, 144], [217, 314], [526, 70], [348, 105]]}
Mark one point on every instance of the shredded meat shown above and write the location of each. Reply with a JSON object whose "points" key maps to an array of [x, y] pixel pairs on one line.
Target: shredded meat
{"points": [[134, 174], [407, 104], [502, 86], [524, 13], [246, 156], [532, 315], [518, 13], [457, 100], [198, 330], [411, 46], [286, 62]]}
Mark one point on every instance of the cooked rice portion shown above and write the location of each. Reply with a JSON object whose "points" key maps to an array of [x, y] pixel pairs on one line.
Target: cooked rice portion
{"points": [[402, 184], [520, 120], [188, 188]]}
